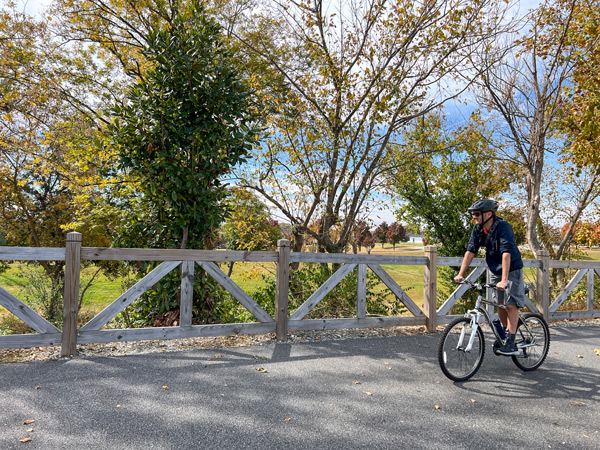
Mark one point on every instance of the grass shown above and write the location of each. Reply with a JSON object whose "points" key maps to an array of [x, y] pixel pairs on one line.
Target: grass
{"points": [[97, 297]]}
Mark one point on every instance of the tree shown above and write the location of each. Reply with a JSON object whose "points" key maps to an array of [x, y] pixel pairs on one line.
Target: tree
{"points": [[584, 233], [187, 123], [445, 171], [249, 225], [395, 234], [348, 81], [368, 242], [580, 113], [523, 84], [380, 233], [184, 125], [361, 232], [46, 176]]}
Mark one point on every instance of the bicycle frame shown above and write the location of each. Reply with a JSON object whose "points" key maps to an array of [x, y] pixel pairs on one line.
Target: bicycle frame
{"points": [[480, 315]]}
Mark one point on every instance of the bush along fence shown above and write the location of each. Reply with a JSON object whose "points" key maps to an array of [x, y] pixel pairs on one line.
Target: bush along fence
{"points": [[429, 316]]}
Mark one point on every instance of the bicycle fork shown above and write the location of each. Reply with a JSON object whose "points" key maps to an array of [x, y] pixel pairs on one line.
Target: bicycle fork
{"points": [[463, 332]]}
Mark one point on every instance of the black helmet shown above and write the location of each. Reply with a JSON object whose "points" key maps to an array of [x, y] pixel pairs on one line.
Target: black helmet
{"points": [[484, 205]]}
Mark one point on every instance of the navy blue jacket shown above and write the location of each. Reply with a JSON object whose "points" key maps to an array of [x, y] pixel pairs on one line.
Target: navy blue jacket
{"points": [[502, 240]]}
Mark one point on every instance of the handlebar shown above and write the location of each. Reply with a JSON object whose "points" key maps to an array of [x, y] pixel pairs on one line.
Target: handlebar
{"points": [[478, 286]]}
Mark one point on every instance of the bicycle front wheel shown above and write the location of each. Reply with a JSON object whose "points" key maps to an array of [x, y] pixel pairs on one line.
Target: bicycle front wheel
{"points": [[457, 361], [533, 342]]}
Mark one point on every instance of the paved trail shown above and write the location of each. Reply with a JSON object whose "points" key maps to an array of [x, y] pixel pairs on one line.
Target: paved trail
{"points": [[377, 393]]}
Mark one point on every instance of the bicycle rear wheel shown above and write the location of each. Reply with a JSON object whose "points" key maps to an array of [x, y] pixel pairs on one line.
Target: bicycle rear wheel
{"points": [[457, 363], [533, 340]]}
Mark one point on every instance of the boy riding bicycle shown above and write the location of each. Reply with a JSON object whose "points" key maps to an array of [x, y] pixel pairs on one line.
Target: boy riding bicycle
{"points": [[504, 261]]}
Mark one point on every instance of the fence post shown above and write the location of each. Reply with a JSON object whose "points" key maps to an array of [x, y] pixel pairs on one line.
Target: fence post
{"points": [[430, 288], [542, 297], [282, 290], [71, 294], [361, 291], [187, 293]]}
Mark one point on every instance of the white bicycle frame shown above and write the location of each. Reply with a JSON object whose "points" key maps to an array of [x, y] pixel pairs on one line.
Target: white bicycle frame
{"points": [[479, 315]]}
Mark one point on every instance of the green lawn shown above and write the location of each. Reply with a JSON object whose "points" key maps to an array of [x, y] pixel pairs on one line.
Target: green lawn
{"points": [[97, 296]]}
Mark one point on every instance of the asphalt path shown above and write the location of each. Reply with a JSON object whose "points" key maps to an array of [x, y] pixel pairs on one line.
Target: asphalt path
{"points": [[369, 393]]}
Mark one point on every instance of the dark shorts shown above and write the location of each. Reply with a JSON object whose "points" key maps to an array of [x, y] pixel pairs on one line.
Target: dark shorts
{"points": [[515, 290]]}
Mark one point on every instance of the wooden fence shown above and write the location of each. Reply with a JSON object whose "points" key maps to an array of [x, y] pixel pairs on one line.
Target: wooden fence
{"points": [[94, 330]]}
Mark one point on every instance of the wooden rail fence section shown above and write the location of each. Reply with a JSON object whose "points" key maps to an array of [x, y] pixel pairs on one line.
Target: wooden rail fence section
{"points": [[430, 316]]}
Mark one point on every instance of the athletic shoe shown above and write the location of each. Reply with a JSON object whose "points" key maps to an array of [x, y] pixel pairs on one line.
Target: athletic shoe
{"points": [[508, 349]]}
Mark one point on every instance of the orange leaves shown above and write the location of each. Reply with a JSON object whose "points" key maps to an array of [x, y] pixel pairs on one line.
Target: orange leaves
{"points": [[29, 430]]}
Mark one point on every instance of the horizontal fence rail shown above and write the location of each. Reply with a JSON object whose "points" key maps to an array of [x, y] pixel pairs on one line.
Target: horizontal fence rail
{"points": [[430, 315]]}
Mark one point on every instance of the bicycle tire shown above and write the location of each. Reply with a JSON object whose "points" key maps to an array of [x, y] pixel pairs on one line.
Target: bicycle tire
{"points": [[455, 363], [532, 357]]}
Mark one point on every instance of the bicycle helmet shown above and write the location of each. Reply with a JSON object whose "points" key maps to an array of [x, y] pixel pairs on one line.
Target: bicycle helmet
{"points": [[484, 205]]}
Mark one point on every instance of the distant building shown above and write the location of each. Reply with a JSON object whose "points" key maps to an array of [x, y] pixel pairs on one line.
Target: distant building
{"points": [[415, 238]]}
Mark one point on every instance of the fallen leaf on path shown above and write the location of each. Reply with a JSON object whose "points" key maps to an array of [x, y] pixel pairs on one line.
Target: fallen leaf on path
{"points": [[25, 440], [437, 407], [262, 370], [165, 387], [38, 387], [27, 422], [577, 403], [597, 350], [473, 400], [218, 356], [30, 430], [356, 382], [370, 394], [580, 356], [287, 419]]}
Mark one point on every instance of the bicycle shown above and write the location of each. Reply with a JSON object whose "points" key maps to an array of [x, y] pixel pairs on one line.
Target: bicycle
{"points": [[462, 345]]}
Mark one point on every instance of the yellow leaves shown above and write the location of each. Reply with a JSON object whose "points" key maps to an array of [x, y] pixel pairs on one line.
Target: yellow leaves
{"points": [[27, 422], [262, 370], [369, 394], [438, 407], [25, 440], [166, 388], [597, 350]]}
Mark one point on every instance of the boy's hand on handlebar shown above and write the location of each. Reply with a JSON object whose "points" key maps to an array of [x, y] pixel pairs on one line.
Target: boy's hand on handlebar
{"points": [[458, 279], [501, 286]]}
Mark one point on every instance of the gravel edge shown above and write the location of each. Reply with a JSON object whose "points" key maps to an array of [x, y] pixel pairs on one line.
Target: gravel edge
{"points": [[174, 345]]}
